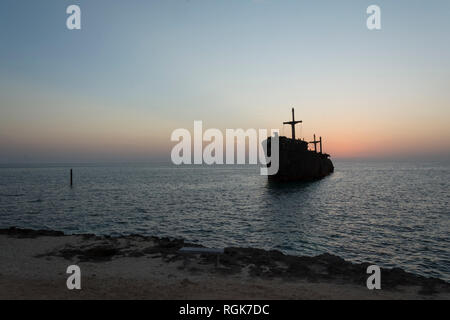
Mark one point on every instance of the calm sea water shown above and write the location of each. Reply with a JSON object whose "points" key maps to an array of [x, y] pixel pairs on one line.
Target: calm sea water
{"points": [[391, 214]]}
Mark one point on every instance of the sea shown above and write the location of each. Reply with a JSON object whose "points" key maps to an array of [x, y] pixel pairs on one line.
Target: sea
{"points": [[389, 213]]}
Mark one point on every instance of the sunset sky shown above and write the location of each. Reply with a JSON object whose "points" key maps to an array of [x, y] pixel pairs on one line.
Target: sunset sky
{"points": [[137, 70]]}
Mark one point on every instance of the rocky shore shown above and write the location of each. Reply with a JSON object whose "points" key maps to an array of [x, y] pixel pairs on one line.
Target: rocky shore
{"points": [[33, 265]]}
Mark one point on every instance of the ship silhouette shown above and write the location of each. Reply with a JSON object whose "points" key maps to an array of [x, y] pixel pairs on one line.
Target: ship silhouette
{"points": [[296, 161]]}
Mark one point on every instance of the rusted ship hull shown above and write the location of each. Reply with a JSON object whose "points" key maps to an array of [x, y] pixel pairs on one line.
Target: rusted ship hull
{"points": [[297, 163]]}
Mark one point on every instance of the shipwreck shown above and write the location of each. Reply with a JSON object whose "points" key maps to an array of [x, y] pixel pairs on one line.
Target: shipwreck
{"points": [[296, 161]]}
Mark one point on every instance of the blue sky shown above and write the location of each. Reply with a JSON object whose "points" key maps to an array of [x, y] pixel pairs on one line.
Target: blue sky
{"points": [[137, 70]]}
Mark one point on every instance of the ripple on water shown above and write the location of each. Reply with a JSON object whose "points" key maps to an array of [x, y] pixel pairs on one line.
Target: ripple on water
{"points": [[393, 214]]}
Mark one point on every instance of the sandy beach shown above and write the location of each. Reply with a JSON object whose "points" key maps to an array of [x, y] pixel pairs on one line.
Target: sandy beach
{"points": [[33, 266]]}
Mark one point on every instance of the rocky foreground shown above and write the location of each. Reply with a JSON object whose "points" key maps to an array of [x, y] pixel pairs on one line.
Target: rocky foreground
{"points": [[33, 265]]}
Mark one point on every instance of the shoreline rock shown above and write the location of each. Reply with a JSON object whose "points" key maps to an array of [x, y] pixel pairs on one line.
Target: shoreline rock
{"points": [[259, 263]]}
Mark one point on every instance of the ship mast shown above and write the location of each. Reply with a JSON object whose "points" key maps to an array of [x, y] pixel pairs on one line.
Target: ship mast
{"points": [[293, 123], [315, 142]]}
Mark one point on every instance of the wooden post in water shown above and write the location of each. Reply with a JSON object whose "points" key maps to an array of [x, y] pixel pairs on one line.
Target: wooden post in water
{"points": [[320, 140], [71, 177]]}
